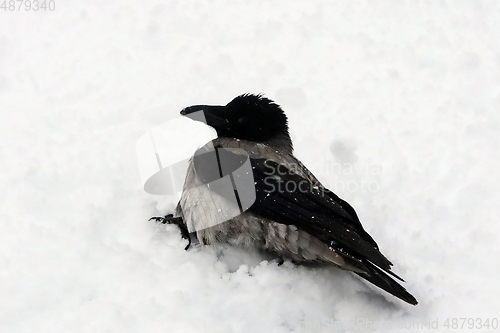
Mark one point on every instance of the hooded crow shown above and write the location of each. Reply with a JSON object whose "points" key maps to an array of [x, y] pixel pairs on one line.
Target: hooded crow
{"points": [[280, 207]]}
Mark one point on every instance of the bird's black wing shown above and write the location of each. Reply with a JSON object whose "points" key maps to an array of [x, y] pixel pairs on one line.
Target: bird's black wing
{"points": [[284, 196]]}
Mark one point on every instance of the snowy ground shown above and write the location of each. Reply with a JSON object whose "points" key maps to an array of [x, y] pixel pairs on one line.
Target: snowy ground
{"points": [[401, 98]]}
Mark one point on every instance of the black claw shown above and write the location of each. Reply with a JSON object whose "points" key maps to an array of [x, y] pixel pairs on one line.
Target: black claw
{"points": [[157, 219], [170, 219]]}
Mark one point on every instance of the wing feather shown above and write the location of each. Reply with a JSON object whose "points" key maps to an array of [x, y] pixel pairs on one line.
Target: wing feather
{"points": [[286, 197]]}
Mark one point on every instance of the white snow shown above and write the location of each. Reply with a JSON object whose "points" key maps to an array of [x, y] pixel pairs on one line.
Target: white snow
{"points": [[394, 105]]}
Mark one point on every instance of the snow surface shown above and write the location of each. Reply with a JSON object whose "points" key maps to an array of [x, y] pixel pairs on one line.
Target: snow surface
{"points": [[407, 92]]}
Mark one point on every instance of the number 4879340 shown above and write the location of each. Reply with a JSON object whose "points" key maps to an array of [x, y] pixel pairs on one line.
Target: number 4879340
{"points": [[28, 5]]}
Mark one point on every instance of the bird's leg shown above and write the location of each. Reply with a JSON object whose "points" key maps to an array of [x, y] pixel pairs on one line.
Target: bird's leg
{"points": [[280, 261], [170, 219]]}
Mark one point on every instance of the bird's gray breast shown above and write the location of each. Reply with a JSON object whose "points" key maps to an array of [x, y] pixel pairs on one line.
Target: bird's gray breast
{"points": [[209, 200], [215, 219]]}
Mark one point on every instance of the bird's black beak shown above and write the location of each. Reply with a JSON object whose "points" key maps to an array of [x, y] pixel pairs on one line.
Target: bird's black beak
{"points": [[214, 116]]}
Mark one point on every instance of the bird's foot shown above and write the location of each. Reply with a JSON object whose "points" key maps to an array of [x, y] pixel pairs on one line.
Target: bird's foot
{"points": [[167, 219], [170, 219]]}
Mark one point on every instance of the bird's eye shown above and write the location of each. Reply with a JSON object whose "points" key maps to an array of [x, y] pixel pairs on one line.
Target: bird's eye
{"points": [[243, 121]]}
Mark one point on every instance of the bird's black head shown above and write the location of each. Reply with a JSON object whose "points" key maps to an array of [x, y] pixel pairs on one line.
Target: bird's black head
{"points": [[247, 117]]}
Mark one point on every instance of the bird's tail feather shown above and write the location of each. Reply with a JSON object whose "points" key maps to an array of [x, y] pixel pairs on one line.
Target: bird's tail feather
{"points": [[379, 278]]}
